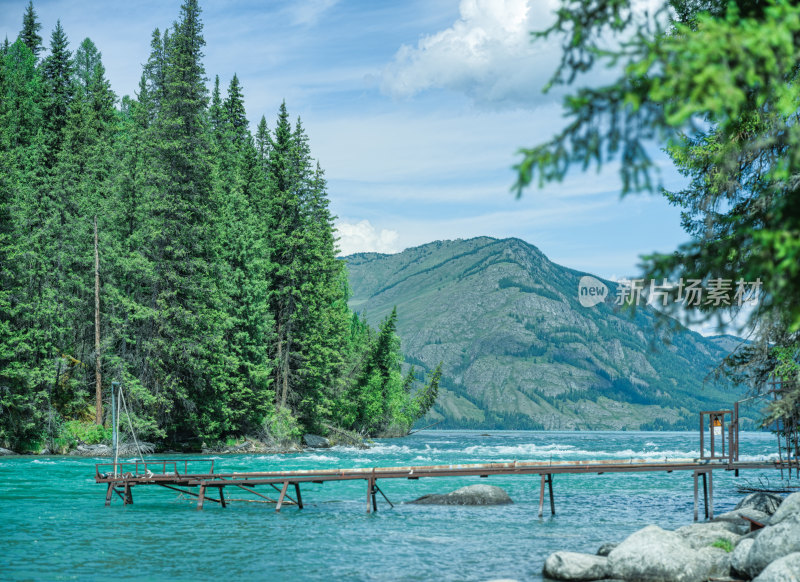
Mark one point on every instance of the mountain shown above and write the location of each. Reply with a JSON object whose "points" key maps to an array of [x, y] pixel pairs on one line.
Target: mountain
{"points": [[520, 351]]}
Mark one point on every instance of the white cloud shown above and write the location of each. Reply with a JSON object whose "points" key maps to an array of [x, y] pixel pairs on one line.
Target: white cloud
{"points": [[360, 237], [487, 53], [308, 12]]}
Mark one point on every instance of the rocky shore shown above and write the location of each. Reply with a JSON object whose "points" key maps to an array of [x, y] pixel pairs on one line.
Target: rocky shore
{"points": [[244, 446], [722, 549]]}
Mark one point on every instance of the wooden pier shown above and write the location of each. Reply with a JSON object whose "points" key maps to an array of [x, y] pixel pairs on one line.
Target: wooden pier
{"points": [[181, 476]]}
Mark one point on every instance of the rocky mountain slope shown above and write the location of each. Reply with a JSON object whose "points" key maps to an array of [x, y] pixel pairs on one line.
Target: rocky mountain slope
{"points": [[520, 351]]}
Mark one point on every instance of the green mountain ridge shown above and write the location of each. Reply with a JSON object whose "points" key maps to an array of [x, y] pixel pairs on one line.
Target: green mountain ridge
{"points": [[519, 350]]}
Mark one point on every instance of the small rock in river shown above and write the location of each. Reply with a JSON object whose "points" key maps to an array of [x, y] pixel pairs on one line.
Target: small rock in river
{"points": [[315, 441], [470, 495], [575, 566]]}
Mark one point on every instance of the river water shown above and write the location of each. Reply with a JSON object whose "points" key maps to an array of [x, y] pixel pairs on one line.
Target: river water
{"points": [[55, 525]]}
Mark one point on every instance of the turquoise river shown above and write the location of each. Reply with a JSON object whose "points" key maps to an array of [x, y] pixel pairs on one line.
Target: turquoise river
{"points": [[55, 525]]}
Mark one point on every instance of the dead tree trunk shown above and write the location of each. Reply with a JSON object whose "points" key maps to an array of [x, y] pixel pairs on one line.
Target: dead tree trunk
{"points": [[98, 380]]}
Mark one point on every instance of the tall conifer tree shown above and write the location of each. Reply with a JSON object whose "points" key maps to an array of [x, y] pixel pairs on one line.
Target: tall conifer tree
{"points": [[30, 31]]}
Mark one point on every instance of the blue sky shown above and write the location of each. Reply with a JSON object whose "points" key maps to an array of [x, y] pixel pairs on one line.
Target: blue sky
{"points": [[415, 110]]}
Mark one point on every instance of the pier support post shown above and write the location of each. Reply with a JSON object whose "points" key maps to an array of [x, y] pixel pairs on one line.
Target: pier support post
{"points": [[708, 493], [541, 496], [222, 497], [283, 494], [548, 479], [710, 508], [128, 499], [371, 501], [201, 497], [299, 498], [108, 494]]}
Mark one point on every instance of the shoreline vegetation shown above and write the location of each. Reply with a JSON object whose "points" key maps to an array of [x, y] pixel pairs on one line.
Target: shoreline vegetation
{"points": [[158, 242]]}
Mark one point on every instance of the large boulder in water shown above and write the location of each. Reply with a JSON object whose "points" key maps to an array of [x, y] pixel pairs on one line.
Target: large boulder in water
{"points": [[470, 495], [575, 566], [6, 452], [658, 555]]}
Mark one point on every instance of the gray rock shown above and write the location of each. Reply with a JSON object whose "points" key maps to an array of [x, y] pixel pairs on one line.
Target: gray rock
{"points": [[656, 555], [315, 441], [701, 535], [790, 506], [735, 517], [6, 452], [773, 542], [766, 502], [575, 566], [717, 560], [739, 557], [93, 451], [470, 495], [785, 569], [606, 548]]}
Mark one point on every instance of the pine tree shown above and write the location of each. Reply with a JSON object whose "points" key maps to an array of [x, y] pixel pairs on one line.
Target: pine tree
{"points": [[284, 226], [240, 187], [235, 115], [21, 103], [216, 112], [185, 346], [21, 181], [87, 58], [57, 71], [30, 31], [155, 69], [262, 142]]}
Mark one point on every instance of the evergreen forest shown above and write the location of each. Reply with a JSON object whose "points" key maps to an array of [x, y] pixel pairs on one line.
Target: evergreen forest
{"points": [[222, 306]]}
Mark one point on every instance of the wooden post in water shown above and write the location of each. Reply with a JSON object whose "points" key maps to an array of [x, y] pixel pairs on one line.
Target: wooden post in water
{"points": [[369, 494], [548, 479], [201, 497], [98, 390], [283, 494], [710, 509]]}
